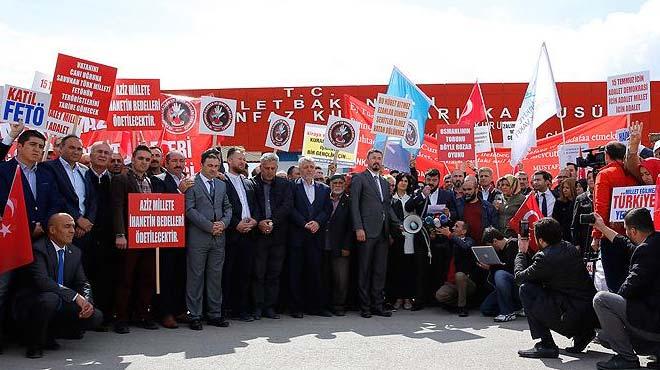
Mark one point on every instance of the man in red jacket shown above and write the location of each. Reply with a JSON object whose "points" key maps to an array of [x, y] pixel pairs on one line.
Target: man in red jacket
{"points": [[611, 176]]}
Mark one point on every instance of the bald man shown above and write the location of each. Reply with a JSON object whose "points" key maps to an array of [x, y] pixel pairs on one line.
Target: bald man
{"points": [[54, 296]]}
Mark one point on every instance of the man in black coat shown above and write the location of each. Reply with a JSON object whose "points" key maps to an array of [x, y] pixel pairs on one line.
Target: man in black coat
{"points": [[54, 295], [556, 291], [630, 319], [274, 203]]}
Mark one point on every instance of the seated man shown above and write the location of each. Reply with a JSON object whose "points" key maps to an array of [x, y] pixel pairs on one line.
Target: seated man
{"points": [[54, 294], [458, 286], [556, 291], [630, 319], [504, 300]]}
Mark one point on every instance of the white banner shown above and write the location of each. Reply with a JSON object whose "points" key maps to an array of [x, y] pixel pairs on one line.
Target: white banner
{"points": [[391, 115], [628, 93], [217, 116], [570, 152], [280, 132], [507, 133], [482, 139], [24, 105], [627, 198], [41, 82]]}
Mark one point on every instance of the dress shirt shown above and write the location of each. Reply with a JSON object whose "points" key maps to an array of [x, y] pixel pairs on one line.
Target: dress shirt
{"points": [[77, 180], [309, 190], [237, 181], [57, 250]]}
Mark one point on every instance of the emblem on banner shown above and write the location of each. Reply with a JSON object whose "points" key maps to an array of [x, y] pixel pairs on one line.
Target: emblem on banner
{"points": [[411, 135], [217, 116], [280, 132], [342, 134], [179, 115]]}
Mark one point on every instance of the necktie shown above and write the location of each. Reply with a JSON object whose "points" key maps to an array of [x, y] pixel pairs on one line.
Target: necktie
{"points": [[212, 190], [380, 190], [60, 267], [544, 205]]}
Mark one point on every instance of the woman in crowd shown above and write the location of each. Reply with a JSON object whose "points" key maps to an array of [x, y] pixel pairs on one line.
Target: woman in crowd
{"points": [[509, 205], [401, 255], [563, 211]]}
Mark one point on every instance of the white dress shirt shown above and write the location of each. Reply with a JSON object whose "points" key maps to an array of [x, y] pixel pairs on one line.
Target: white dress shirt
{"points": [[57, 249], [309, 190], [380, 188], [549, 200], [77, 180], [237, 181], [205, 180]]}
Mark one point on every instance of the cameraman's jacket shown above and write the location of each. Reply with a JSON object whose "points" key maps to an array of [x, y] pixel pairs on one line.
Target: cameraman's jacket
{"points": [[611, 176]]}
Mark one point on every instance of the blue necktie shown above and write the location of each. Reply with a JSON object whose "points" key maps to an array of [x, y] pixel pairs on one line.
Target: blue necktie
{"points": [[544, 205], [60, 267], [212, 191]]}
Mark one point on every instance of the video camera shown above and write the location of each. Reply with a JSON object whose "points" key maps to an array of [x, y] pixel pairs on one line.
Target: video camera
{"points": [[595, 158]]}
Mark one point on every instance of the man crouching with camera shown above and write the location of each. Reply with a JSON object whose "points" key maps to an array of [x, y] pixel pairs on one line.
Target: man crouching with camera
{"points": [[555, 290]]}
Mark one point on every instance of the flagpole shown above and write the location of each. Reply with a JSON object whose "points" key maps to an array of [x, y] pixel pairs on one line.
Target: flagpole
{"points": [[490, 134]]}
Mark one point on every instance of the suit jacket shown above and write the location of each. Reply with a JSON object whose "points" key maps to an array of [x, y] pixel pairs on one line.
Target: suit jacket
{"points": [[236, 206], [169, 183], [41, 275], [202, 211], [68, 193], [641, 289], [121, 186], [418, 204], [4, 149], [304, 212], [368, 211], [281, 203], [103, 221], [47, 202], [339, 229]]}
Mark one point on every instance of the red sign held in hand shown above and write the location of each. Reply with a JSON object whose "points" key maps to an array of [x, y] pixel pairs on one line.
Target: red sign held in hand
{"points": [[156, 220]]}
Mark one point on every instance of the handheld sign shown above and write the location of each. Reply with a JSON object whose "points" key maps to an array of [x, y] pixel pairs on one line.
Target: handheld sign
{"points": [[629, 197], [628, 93], [156, 220], [24, 105]]}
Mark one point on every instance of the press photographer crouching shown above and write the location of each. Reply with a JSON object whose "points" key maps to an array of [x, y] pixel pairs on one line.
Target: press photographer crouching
{"points": [[555, 290], [630, 319]]}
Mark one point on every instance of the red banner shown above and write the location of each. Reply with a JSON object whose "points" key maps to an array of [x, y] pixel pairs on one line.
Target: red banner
{"points": [[656, 211], [82, 87], [135, 105], [456, 142], [156, 220]]}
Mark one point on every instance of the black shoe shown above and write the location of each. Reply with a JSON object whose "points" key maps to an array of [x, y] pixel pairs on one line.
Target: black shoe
{"points": [[297, 315], [365, 314], [121, 327], [540, 350], [34, 352], [323, 313], [103, 328], [269, 313], [257, 314], [580, 342], [51, 345], [617, 362], [417, 307], [339, 313], [219, 322], [383, 313], [196, 324], [147, 324], [463, 312], [245, 317]]}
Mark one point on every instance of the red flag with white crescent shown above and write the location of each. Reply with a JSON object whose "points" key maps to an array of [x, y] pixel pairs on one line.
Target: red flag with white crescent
{"points": [[474, 110], [15, 241], [531, 212]]}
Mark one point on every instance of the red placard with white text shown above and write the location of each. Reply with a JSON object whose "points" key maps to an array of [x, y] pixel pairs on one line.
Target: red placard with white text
{"points": [[81, 87], [156, 220], [456, 142], [135, 105]]}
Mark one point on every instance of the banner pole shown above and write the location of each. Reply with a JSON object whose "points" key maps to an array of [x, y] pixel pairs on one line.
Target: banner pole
{"points": [[490, 133], [46, 147], [563, 135], [215, 140], [157, 270]]}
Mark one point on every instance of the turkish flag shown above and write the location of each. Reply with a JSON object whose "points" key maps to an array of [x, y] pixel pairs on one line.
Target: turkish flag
{"points": [[15, 241], [474, 110], [531, 212]]}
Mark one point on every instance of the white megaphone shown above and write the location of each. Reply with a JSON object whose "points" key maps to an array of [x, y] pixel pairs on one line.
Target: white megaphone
{"points": [[413, 224]]}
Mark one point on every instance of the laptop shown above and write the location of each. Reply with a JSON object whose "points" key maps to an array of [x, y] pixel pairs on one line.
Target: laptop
{"points": [[486, 255]]}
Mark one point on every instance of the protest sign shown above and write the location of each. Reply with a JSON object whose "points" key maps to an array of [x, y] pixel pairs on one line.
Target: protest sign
{"points": [[135, 105], [218, 116], [568, 153], [507, 133], [456, 142], [24, 105], [628, 93], [341, 134], [82, 87], [391, 115], [656, 213], [313, 147], [41, 82], [280, 132], [156, 220], [482, 139], [412, 140], [629, 197]]}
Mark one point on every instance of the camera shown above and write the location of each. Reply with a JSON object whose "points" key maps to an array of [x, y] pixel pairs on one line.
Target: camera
{"points": [[524, 228], [595, 158], [588, 219]]}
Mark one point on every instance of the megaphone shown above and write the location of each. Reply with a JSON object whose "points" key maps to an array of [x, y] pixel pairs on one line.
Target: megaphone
{"points": [[412, 224]]}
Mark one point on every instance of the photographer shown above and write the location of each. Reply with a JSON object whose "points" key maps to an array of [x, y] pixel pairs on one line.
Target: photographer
{"points": [[555, 290], [611, 176], [630, 319]]}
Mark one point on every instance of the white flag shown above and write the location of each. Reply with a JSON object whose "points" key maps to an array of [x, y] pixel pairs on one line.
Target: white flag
{"points": [[541, 102]]}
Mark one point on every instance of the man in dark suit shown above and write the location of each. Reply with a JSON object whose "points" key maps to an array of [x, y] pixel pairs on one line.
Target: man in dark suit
{"points": [[39, 188], [55, 296], [629, 319], [372, 215], [339, 243], [137, 270], [208, 212], [241, 238], [5, 143], [311, 209], [274, 202], [171, 302]]}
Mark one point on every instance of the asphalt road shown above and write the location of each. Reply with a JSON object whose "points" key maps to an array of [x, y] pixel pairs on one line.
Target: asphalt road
{"points": [[429, 339]]}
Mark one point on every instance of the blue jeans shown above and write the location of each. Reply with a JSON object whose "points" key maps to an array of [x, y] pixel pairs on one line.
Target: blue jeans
{"points": [[504, 299]]}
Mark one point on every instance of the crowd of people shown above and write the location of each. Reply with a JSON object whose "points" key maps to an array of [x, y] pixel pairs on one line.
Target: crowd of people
{"points": [[309, 242]]}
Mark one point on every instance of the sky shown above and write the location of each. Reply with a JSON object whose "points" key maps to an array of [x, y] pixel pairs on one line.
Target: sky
{"points": [[221, 44]]}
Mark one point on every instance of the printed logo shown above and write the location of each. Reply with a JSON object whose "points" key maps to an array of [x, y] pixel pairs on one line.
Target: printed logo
{"points": [[217, 116], [342, 134], [179, 116], [280, 132]]}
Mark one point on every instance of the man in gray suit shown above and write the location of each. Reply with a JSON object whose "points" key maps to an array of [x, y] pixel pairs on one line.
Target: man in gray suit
{"points": [[372, 215], [208, 212]]}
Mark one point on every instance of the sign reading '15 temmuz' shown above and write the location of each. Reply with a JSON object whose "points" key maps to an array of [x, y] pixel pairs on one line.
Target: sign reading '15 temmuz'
{"points": [[156, 220]]}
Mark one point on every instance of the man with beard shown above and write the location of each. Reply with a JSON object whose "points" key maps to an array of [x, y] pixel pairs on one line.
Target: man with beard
{"points": [[173, 260], [372, 215], [457, 177], [487, 190], [116, 164], [523, 181], [477, 213], [293, 173], [156, 161], [274, 202]]}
